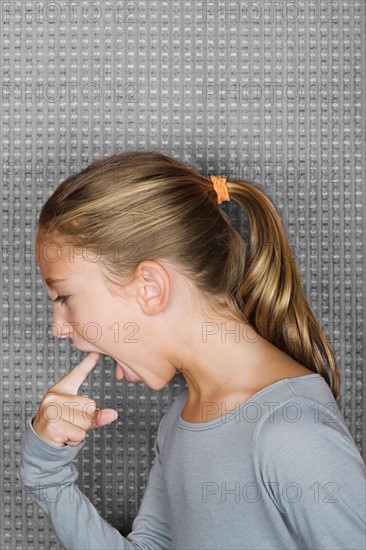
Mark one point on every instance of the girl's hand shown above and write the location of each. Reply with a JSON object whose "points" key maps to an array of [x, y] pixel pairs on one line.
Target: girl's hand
{"points": [[63, 417]]}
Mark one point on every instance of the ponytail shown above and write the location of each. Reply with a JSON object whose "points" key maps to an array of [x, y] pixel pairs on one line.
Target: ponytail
{"points": [[271, 295]]}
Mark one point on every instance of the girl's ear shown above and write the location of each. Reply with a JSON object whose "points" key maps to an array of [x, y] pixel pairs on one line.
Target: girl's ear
{"points": [[153, 287]]}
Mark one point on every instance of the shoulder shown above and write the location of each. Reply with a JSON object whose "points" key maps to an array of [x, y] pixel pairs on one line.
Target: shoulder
{"points": [[303, 433], [308, 465]]}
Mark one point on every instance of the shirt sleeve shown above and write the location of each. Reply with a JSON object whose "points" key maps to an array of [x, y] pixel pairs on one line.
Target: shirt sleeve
{"points": [[313, 472], [49, 477]]}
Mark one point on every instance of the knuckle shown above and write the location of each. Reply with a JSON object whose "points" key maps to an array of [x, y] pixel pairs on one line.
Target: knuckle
{"points": [[88, 410], [90, 405], [50, 397], [50, 394]]}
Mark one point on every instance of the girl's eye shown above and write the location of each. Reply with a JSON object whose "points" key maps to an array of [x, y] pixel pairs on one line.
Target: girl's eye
{"points": [[62, 299]]}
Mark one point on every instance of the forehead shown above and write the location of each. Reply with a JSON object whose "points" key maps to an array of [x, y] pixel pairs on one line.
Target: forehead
{"points": [[58, 259]]}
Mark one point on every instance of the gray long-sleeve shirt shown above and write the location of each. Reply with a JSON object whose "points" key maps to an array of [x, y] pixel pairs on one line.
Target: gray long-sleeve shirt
{"points": [[280, 471]]}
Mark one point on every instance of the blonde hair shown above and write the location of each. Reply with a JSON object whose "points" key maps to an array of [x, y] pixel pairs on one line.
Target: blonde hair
{"points": [[141, 205]]}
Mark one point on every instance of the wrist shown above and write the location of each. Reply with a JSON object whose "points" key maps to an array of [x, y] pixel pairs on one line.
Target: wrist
{"points": [[53, 443]]}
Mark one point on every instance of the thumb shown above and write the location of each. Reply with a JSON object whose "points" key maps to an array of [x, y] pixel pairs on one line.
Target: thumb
{"points": [[103, 417]]}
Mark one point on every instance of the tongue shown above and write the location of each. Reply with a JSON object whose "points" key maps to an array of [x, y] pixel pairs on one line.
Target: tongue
{"points": [[119, 372]]}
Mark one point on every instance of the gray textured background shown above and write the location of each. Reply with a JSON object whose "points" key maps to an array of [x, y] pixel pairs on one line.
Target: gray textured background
{"points": [[269, 91]]}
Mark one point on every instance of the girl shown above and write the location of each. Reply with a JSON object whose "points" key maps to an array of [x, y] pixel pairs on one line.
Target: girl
{"points": [[255, 453]]}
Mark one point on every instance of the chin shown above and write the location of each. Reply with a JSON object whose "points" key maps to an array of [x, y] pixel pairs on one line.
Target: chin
{"points": [[160, 384], [158, 387]]}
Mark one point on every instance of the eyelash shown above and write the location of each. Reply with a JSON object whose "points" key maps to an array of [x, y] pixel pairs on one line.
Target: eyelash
{"points": [[62, 299]]}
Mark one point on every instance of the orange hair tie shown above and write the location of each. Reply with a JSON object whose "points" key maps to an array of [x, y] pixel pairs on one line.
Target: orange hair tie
{"points": [[221, 188]]}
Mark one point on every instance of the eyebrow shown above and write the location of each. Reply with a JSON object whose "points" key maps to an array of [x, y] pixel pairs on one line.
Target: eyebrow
{"points": [[51, 281]]}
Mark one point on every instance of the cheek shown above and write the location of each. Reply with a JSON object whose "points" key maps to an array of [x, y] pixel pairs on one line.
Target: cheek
{"points": [[96, 318], [96, 325]]}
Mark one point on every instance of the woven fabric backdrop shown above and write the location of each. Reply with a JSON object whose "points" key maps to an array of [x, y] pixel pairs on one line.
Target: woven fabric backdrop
{"points": [[272, 92]]}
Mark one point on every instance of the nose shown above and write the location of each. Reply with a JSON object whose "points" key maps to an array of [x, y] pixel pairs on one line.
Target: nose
{"points": [[62, 330], [60, 327]]}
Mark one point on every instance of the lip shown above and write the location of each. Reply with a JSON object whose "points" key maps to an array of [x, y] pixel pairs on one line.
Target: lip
{"points": [[126, 374]]}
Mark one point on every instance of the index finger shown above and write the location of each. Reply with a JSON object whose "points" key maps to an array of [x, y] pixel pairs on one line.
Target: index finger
{"points": [[72, 381]]}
